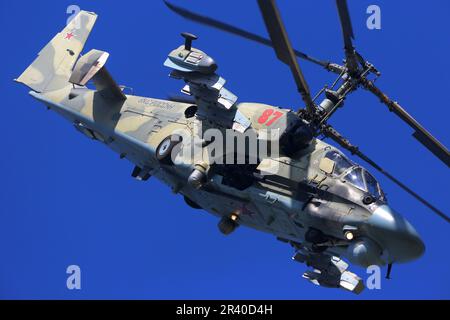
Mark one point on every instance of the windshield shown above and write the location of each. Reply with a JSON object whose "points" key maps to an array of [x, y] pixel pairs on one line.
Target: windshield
{"points": [[355, 177], [372, 184], [363, 180], [341, 162]]}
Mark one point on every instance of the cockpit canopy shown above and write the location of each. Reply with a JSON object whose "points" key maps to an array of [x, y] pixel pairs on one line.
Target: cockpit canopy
{"points": [[341, 163], [354, 174]]}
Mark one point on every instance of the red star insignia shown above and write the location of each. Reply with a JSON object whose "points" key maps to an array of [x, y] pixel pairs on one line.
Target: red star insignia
{"points": [[69, 35]]}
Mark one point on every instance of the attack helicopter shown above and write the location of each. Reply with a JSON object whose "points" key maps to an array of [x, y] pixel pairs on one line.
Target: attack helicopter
{"points": [[303, 190]]}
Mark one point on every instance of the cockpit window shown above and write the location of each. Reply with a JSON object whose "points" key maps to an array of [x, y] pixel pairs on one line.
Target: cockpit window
{"points": [[372, 185], [355, 177], [341, 162]]}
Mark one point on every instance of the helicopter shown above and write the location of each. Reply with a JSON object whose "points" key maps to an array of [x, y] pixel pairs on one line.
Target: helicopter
{"points": [[282, 178]]}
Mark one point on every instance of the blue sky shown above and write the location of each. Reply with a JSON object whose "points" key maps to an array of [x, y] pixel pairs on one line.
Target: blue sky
{"points": [[67, 200]]}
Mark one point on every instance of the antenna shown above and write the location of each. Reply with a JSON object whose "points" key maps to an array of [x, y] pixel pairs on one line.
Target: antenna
{"points": [[188, 38]]}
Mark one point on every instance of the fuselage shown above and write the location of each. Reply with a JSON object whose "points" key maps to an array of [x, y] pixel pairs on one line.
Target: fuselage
{"points": [[307, 199]]}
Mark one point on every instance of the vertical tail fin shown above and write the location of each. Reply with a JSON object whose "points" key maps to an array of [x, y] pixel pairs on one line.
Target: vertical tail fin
{"points": [[52, 68]]}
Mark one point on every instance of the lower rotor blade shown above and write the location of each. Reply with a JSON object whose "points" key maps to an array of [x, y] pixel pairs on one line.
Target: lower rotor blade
{"points": [[421, 134]]}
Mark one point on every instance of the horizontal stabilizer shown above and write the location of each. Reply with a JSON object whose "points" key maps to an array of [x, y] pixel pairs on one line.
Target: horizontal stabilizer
{"points": [[91, 66]]}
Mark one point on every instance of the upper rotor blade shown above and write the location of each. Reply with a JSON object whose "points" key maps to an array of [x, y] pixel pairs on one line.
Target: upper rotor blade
{"points": [[421, 134], [346, 23], [237, 31], [333, 134], [347, 31], [283, 48]]}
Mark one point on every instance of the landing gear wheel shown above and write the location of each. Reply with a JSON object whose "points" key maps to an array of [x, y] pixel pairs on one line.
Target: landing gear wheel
{"points": [[227, 225], [164, 150], [191, 203]]}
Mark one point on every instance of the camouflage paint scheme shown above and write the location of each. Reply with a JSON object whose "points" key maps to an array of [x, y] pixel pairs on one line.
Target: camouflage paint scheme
{"points": [[303, 195]]}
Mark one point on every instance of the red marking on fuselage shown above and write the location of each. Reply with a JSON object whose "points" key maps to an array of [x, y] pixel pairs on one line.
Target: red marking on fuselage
{"points": [[69, 35]]}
